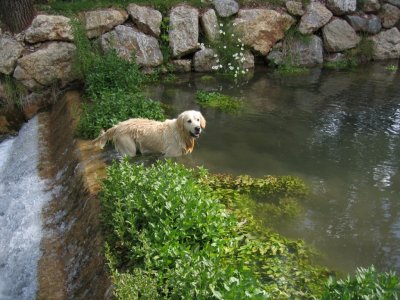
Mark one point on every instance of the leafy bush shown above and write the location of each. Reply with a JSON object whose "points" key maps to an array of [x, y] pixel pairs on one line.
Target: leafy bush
{"points": [[167, 228], [111, 107], [217, 100], [112, 87], [366, 284]]}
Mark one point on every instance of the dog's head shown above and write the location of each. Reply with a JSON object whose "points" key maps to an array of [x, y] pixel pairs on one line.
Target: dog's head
{"points": [[191, 122]]}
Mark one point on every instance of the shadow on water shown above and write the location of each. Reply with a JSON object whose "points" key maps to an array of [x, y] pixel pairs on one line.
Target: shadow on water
{"points": [[338, 130]]}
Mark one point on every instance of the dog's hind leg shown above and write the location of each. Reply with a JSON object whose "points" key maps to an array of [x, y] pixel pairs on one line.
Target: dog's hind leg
{"points": [[125, 145]]}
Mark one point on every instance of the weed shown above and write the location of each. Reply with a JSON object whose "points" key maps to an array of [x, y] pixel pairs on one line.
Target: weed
{"points": [[220, 101], [14, 91], [167, 228], [112, 86], [230, 51], [391, 68], [366, 284]]}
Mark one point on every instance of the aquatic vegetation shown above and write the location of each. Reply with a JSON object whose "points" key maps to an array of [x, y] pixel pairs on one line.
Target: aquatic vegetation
{"points": [[391, 68], [112, 88], [220, 101], [367, 283], [166, 227]]}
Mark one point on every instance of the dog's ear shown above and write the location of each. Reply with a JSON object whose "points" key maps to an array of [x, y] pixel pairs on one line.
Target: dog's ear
{"points": [[180, 122], [202, 121]]}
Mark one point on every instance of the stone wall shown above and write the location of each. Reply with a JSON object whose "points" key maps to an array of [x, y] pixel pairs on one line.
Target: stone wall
{"points": [[43, 53]]}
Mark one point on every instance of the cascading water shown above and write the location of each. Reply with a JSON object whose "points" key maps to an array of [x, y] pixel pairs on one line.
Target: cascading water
{"points": [[22, 197]]}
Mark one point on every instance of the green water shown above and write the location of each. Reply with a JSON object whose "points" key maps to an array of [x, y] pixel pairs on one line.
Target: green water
{"points": [[338, 130]]}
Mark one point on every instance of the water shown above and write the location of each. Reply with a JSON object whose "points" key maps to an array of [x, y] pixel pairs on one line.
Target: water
{"points": [[22, 197], [338, 130]]}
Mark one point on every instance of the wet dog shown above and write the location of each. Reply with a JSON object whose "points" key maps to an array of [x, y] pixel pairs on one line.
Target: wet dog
{"points": [[171, 138]]}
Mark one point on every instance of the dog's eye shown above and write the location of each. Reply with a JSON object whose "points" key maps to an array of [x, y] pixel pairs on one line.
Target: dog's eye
{"points": [[189, 121]]}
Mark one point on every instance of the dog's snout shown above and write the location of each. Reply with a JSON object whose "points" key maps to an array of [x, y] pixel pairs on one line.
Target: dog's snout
{"points": [[197, 129]]}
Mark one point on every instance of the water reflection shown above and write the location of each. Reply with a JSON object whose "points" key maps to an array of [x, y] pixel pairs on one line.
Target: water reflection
{"points": [[337, 130]]}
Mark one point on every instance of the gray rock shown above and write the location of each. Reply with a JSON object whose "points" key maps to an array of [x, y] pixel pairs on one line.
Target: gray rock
{"points": [[341, 7], [260, 28], [10, 51], [338, 35], [275, 57], [248, 60], [100, 21], [209, 23], [394, 2], [306, 53], [365, 23], [146, 19], [389, 15], [316, 16], [369, 6], [204, 60], [49, 28], [386, 44], [181, 65], [295, 8], [129, 42], [226, 8], [184, 30], [47, 65]]}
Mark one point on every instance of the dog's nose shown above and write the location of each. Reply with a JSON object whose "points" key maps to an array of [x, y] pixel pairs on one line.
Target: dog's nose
{"points": [[197, 129]]}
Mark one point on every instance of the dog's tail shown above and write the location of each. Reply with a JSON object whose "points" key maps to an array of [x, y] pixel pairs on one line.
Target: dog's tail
{"points": [[101, 140]]}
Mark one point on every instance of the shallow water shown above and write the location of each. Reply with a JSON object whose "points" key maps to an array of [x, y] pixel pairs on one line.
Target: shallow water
{"points": [[22, 197], [338, 130]]}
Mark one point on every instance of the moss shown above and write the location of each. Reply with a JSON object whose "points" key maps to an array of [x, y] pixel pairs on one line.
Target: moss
{"points": [[219, 101]]}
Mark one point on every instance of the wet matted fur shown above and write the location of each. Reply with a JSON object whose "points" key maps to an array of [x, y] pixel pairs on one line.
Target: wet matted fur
{"points": [[171, 138]]}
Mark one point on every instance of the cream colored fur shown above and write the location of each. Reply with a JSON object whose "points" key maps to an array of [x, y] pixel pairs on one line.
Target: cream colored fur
{"points": [[171, 138]]}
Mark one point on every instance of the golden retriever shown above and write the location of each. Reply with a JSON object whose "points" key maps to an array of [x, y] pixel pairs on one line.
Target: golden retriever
{"points": [[171, 138]]}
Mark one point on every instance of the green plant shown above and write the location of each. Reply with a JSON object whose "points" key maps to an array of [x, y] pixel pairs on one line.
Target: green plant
{"points": [[230, 51], [367, 283], [392, 68], [217, 100], [14, 91], [112, 88], [166, 227]]}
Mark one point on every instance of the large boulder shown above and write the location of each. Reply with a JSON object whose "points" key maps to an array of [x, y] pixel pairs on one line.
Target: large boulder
{"points": [[341, 7], [181, 65], [46, 65], [184, 30], [261, 28], [386, 44], [204, 60], [389, 15], [365, 23], [339, 35], [316, 16], [226, 8], [10, 51], [307, 53], [394, 2], [209, 23], [98, 22], [128, 42], [49, 28], [146, 19]]}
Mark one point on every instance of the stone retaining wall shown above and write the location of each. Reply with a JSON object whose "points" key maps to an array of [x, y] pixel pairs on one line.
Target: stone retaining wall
{"points": [[43, 53]]}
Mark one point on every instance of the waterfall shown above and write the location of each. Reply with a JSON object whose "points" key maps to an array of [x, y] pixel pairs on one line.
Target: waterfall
{"points": [[22, 197]]}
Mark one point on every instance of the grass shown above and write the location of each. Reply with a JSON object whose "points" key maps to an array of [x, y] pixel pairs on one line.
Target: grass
{"points": [[170, 235], [14, 91], [219, 101]]}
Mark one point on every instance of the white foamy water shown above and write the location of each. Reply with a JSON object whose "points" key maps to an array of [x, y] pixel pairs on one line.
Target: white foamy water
{"points": [[22, 197]]}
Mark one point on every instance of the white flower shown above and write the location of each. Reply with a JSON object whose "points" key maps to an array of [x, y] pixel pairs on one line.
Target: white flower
{"points": [[224, 47], [239, 40], [231, 68], [220, 24], [215, 55], [233, 34], [243, 72], [234, 24], [220, 31], [215, 26]]}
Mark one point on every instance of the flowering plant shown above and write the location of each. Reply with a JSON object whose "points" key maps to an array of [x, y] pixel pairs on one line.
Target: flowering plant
{"points": [[230, 52]]}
